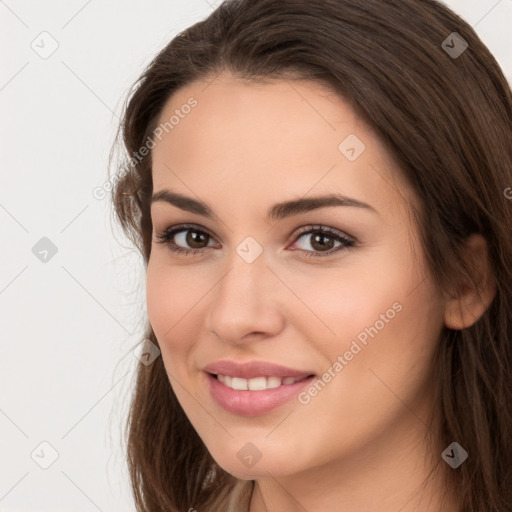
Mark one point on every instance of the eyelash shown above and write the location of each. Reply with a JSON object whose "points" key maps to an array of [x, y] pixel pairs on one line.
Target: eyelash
{"points": [[168, 234]]}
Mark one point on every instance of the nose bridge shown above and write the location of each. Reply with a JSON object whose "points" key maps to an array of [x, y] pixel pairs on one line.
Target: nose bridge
{"points": [[247, 270], [242, 302], [242, 285]]}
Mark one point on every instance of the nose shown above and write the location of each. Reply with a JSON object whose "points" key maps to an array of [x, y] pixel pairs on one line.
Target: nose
{"points": [[245, 303]]}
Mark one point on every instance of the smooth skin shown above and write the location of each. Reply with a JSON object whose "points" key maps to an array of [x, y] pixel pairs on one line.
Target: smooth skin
{"points": [[359, 444]]}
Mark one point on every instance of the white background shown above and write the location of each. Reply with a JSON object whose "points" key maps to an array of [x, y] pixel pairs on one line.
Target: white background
{"points": [[69, 324]]}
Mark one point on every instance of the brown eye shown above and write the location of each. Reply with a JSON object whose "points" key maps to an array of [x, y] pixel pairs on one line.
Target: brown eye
{"points": [[185, 239], [324, 241], [321, 241], [195, 239]]}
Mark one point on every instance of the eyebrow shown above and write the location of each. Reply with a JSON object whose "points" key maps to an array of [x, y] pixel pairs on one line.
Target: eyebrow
{"points": [[277, 212]]}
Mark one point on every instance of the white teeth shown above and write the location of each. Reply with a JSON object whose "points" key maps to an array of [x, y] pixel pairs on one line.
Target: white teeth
{"points": [[255, 384], [273, 382], [240, 384]]}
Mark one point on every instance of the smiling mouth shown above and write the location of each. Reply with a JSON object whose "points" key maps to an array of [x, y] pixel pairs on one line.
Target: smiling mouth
{"points": [[257, 383]]}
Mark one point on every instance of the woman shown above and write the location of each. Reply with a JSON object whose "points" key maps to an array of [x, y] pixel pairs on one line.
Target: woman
{"points": [[319, 192]]}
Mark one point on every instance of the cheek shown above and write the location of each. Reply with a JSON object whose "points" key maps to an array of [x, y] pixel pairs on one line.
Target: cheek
{"points": [[378, 308], [160, 298], [333, 305], [386, 332], [170, 298]]}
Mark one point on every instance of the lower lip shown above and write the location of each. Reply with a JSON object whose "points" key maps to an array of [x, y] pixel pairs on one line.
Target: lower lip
{"points": [[253, 403]]}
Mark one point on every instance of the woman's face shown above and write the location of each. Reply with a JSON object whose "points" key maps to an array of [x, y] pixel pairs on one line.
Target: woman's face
{"points": [[336, 291]]}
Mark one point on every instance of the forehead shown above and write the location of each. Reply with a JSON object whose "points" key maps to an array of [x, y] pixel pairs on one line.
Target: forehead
{"points": [[247, 143]]}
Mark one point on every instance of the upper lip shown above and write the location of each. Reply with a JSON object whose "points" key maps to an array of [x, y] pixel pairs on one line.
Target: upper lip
{"points": [[253, 369]]}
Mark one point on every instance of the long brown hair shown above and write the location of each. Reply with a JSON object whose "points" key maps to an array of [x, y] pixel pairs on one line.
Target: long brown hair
{"points": [[446, 119]]}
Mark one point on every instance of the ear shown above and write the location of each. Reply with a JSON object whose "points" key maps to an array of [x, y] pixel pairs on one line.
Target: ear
{"points": [[464, 310]]}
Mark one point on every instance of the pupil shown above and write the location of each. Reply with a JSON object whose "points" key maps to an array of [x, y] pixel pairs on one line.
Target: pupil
{"points": [[322, 237], [194, 237]]}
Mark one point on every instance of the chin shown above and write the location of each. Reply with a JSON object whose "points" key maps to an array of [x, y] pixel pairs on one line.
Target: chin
{"points": [[245, 469]]}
